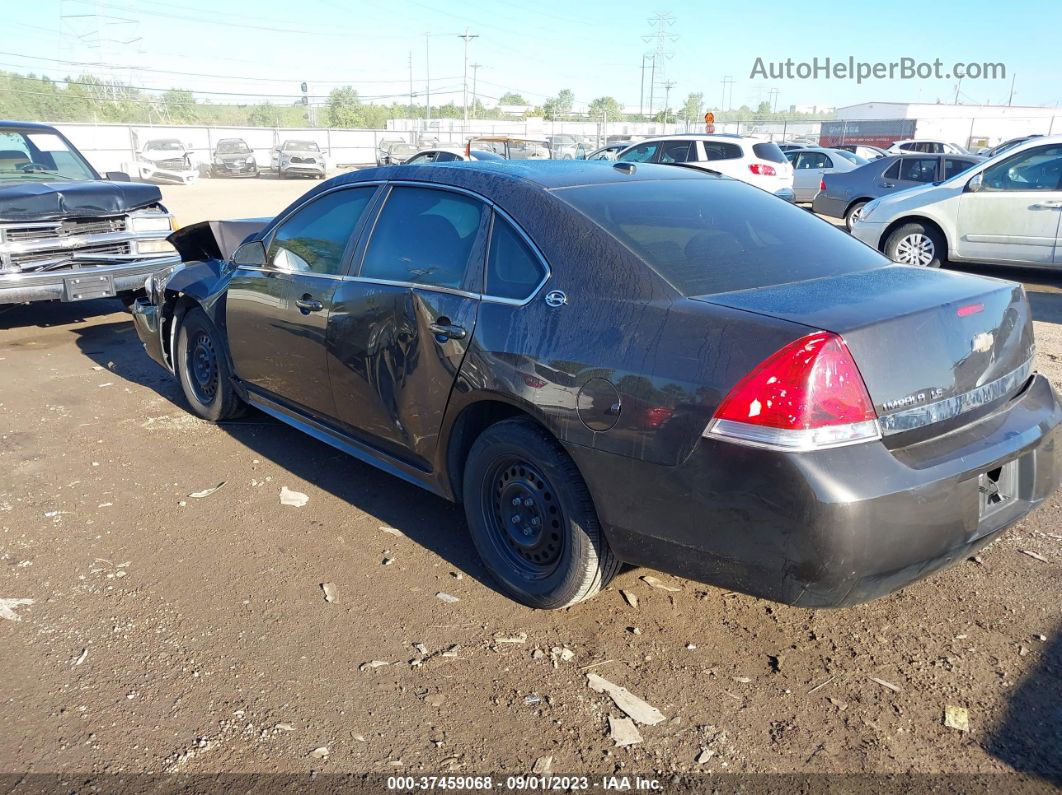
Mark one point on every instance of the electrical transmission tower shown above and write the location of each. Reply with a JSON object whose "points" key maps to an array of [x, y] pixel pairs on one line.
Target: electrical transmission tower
{"points": [[660, 39]]}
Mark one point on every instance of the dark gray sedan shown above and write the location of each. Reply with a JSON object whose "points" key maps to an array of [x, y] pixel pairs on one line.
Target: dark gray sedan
{"points": [[843, 195]]}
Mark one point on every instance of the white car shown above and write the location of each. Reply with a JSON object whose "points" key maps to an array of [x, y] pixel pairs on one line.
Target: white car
{"points": [[929, 147], [759, 163], [812, 163], [1006, 210], [166, 160]]}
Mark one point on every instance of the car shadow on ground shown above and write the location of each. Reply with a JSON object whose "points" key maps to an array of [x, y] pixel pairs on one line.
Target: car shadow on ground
{"points": [[436, 524], [46, 314], [1029, 738]]}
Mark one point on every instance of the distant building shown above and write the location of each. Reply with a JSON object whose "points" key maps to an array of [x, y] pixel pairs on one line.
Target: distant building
{"points": [[972, 126], [515, 110]]}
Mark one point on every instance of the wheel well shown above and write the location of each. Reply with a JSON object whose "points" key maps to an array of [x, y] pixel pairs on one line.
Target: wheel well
{"points": [[177, 305], [854, 202], [914, 219], [470, 423]]}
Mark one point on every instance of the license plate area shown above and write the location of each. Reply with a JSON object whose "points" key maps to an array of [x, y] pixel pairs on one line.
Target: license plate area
{"points": [[84, 288], [997, 488]]}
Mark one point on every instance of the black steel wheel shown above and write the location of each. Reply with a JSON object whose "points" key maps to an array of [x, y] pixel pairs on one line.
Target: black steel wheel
{"points": [[203, 369], [532, 519]]}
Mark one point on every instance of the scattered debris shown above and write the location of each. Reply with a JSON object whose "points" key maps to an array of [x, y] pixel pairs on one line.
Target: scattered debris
{"points": [[81, 657], [883, 683], [1041, 638], [420, 647], [629, 598], [537, 654], [519, 637], [1034, 555], [704, 756], [373, 664], [633, 706], [623, 732], [660, 585], [392, 531], [821, 685], [957, 718], [445, 597], [634, 630], [543, 766], [978, 560], [534, 698], [743, 679], [457, 575], [775, 661], [7, 608], [320, 752], [284, 727], [388, 561], [452, 651], [691, 647], [329, 589], [206, 492], [838, 703], [296, 499]]}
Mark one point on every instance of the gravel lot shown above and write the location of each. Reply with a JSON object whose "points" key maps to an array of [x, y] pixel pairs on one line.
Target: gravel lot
{"points": [[170, 632]]}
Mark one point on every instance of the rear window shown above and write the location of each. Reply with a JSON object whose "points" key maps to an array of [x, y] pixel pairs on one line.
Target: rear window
{"points": [[720, 150], [715, 235], [769, 151]]}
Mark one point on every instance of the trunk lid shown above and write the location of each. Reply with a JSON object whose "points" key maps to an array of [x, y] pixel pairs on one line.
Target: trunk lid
{"points": [[936, 349]]}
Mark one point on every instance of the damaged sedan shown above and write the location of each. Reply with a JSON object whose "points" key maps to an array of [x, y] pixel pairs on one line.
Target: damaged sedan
{"points": [[613, 363], [68, 234]]}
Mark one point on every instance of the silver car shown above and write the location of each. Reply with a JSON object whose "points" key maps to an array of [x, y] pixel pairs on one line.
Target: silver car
{"points": [[812, 163], [1006, 210]]}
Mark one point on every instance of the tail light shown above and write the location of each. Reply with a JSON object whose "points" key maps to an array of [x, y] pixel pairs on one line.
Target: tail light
{"points": [[533, 381], [822, 185], [762, 169], [807, 396]]}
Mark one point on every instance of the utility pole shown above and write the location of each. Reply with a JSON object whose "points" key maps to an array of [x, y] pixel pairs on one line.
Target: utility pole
{"points": [[412, 125], [772, 97], [427, 81], [475, 74], [662, 38], [652, 85], [1010, 99], [464, 91], [668, 85], [958, 85], [641, 93], [728, 81]]}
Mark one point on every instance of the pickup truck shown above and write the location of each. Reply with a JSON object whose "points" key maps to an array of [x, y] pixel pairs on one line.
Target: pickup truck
{"points": [[68, 234]]}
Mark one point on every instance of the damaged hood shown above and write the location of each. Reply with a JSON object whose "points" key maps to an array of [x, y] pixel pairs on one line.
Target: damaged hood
{"points": [[44, 201], [214, 239]]}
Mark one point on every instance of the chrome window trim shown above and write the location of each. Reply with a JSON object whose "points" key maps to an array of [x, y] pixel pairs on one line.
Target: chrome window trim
{"points": [[949, 408], [336, 277]]}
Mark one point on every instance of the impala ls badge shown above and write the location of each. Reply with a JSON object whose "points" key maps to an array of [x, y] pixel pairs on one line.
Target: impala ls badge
{"points": [[982, 343], [556, 298]]}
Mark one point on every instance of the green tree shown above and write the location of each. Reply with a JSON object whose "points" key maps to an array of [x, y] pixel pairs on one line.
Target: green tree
{"points": [[606, 109], [263, 115], [559, 105], [511, 98], [693, 110], [344, 107], [178, 106]]}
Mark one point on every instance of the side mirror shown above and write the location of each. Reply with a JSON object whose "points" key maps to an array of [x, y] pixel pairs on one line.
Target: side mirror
{"points": [[117, 176], [975, 184], [252, 255]]}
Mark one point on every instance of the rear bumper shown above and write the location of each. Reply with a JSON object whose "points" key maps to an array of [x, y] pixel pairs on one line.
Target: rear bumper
{"points": [[827, 205], [830, 528], [84, 283]]}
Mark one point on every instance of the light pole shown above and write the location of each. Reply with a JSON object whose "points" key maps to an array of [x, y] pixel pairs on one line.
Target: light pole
{"points": [[475, 74], [464, 92]]}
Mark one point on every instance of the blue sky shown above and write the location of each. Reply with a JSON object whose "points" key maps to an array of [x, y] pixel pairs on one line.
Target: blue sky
{"points": [[593, 47]]}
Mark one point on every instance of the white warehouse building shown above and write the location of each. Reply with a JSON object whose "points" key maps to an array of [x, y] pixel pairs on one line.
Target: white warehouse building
{"points": [[973, 126]]}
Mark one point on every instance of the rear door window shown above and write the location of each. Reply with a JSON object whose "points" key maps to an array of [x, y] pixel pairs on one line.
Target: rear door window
{"points": [[953, 166], [315, 237], [768, 151], [918, 169], [722, 150], [677, 152], [424, 236], [892, 172], [813, 160], [642, 153], [713, 235]]}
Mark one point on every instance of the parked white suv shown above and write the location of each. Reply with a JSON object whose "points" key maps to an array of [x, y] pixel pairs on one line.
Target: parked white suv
{"points": [[929, 147], [759, 163], [1006, 210]]}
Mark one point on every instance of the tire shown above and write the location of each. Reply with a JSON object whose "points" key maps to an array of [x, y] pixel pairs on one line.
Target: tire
{"points": [[561, 559], [917, 244], [853, 213], [203, 369]]}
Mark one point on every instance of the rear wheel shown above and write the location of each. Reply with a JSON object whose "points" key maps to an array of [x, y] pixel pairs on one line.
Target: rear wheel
{"points": [[203, 369], [917, 244], [532, 519], [853, 214]]}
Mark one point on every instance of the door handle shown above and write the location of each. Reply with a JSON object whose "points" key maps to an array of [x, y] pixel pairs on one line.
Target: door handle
{"points": [[308, 304], [1047, 205], [444, 328]]}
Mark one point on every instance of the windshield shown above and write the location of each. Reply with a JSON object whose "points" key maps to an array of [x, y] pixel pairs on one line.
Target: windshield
{"points": [[232, 148], [715, 235], [41, 155], [168, 145], [300, 146]]}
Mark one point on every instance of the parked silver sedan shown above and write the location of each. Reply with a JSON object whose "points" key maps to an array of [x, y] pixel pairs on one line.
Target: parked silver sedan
{"points": [[1006, 210], [812, 163]]}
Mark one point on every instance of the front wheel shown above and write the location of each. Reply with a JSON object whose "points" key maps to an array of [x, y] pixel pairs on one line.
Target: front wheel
{"points": [[916, 244], [532, 519], [854, 213], [203, 369]]}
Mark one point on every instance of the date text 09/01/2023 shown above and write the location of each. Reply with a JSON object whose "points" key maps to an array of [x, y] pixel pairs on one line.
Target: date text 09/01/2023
{"points": [[523, 783]]}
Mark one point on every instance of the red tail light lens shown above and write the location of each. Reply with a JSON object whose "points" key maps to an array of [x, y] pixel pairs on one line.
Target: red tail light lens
{"points": [[762, 169], [808, 395], [822, 184]]}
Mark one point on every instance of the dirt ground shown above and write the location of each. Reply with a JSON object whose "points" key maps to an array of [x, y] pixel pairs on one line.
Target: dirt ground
{"points": [[176, 632]]}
